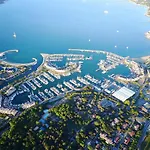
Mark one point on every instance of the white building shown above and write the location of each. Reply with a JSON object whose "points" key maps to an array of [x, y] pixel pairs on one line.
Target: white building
{"points": [[123, 94], [8, 111]]}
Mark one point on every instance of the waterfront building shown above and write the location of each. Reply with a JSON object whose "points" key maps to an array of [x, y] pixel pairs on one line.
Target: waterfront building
{"points": [[123, 94], [8, 111]]}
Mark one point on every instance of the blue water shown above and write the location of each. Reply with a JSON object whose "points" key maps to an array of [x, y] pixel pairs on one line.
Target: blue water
{"points": [[56, 25]]}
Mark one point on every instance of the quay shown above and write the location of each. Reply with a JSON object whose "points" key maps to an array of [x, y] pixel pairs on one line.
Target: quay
{"points": [[88, 50], [20, 64], [8, 51], [61, 55]]}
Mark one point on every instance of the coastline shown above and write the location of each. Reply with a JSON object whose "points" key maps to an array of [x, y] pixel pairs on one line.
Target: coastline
{"points": [[147, 14], [143, 59]]}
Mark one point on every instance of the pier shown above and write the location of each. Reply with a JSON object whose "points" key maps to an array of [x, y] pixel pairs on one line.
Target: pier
{"points": [[68, 85], [88, 50], [42, 80], [55, 90], [47, 76], [20, 64], [8, 51], [98, 52]]}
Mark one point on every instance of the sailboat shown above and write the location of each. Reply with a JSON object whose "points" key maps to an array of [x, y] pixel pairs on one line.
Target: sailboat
{"points": [[106, 12], [14, 35]]}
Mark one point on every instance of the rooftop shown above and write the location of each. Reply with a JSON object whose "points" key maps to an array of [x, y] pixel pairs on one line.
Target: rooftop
{"points": [[123, 94]]}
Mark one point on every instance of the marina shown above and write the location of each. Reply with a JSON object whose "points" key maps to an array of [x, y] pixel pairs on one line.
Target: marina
{"points": [[74, 77], [54, 80], [60, 79], [45, 94], [59, 73]]}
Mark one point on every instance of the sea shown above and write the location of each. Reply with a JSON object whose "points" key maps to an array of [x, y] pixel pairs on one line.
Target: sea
{"points": [[54, 26]]}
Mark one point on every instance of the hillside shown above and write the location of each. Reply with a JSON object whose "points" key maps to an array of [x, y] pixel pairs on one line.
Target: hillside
{"points": [[144, 2]]}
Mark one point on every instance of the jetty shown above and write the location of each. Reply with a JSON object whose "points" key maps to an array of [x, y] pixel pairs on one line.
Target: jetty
{"points": [[55, 57], [88, 50], [8, 51], [20, 64]]}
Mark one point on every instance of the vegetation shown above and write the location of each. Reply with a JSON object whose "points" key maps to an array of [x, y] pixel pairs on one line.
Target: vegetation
{"points": [[3, 115], [74, 122], [20, 135]]}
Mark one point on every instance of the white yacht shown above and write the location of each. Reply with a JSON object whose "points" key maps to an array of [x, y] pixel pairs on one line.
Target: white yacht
{"points": [[14, 35]]}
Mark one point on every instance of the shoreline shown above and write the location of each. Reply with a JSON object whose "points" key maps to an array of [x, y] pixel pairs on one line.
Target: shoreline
{"points": [[147, 13], [142, 59]]}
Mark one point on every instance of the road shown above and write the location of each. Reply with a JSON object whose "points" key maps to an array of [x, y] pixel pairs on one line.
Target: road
{"points": [[146, 125]]}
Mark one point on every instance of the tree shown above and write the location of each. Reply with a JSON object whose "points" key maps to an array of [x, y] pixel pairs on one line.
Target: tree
{"points": [[127, 102]]}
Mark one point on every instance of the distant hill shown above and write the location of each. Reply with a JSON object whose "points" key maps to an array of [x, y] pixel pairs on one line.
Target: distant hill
{"points": [[143, 2]]}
